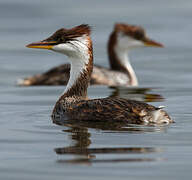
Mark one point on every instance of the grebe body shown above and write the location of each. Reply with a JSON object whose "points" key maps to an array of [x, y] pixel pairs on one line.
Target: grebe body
{"points": [[74, 103]]}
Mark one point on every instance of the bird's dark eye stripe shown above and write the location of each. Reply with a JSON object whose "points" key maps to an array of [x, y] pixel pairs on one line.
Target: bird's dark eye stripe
{"points": [[64, 40], [69, 39], [139, 35], [45, 44], [55, 43]]}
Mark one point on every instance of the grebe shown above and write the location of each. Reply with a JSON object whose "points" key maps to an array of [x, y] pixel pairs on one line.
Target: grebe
{"points": [[74, 103], [123, 38]]}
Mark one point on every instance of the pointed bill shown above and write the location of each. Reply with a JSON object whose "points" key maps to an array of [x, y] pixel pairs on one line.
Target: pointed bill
{"points": [[152, 43], [42, 45]]}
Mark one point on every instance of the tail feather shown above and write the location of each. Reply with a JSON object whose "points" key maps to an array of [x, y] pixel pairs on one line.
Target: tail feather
{"points": [[23, 82]]}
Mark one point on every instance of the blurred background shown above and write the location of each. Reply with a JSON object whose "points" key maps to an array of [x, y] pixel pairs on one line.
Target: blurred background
{"points": [[31, 146], [24, 21]]}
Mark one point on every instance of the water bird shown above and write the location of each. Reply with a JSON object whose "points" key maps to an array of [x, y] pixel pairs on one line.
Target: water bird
{"points": [[122, 40], [74, 104]]}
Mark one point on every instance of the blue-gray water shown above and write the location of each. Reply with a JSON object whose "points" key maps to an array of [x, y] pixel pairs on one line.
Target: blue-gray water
{"points": [[34, 148]]}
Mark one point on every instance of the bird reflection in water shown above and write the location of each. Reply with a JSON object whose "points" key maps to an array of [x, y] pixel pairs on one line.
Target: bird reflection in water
{"points": [[83, 154], [135, 93]]}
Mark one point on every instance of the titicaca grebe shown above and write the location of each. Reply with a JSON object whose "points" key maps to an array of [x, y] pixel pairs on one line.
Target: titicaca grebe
{"points": [[74, 103]]}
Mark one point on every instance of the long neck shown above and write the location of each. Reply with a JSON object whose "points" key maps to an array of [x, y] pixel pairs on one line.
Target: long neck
{"points": [[80, 73], [118, 59]]}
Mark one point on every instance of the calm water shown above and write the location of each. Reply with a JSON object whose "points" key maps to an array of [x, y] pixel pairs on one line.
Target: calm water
{"points": [[34, 148]]}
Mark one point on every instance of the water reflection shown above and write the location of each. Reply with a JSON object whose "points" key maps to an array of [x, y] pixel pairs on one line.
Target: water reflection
{"points": [[80, 137], [135, 93], [111, 127], [91, 161]]}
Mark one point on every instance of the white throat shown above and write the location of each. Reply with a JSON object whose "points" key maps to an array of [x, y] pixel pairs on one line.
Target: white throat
{"points": [[122, 55], [78, 52], [77, 67]]}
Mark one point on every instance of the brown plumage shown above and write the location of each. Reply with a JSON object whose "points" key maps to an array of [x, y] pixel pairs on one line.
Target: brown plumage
{"points": [[74, 103], [106, 109], [117, 75]]}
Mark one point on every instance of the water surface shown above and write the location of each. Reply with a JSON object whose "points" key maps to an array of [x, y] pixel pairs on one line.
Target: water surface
{"points": [[32, 147]]}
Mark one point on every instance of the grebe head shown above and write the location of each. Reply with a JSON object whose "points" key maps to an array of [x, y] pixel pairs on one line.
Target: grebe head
{"points": [[71, 42], [131, 36], [76, 44]]}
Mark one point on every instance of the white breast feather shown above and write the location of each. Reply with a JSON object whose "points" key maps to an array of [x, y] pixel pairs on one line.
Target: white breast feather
{"points": [[78, 52]]}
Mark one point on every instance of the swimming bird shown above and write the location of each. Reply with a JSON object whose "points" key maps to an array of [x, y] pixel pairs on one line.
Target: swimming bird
{"points": [[122, 40], [74, 104]]}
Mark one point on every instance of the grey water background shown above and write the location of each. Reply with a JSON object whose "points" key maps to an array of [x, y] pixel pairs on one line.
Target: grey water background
{"points": [[32, 147]]}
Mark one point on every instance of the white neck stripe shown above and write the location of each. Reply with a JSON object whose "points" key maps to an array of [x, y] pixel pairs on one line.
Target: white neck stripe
{"points": [[122, 55]]}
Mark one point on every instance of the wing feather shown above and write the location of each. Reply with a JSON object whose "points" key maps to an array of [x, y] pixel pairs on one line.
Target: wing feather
{"points": [[107, 109]]}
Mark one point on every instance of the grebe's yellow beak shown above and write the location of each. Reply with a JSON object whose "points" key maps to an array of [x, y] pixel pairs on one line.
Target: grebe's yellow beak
{"points": [[42, 45], [149, 42]]}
